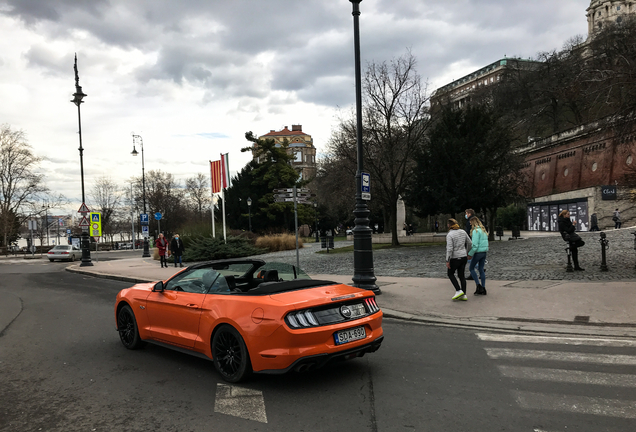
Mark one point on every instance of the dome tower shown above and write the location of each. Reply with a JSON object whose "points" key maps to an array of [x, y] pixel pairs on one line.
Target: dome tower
{"points": [[602, 12]]}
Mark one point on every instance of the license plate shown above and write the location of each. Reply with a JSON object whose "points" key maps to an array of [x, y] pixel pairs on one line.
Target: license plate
{"points": [[350, 335]]}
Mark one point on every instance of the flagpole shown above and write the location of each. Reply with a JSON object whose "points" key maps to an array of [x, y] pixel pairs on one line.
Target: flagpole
{"points": [[212, 202], [223, 198]]}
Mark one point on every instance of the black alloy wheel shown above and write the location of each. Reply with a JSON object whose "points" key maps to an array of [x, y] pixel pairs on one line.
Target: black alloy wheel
{"points": [[127, 328], [230, 354]]}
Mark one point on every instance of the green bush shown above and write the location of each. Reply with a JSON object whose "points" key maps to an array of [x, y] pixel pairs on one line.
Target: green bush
{"points": [[208, 248], [510, 216]]}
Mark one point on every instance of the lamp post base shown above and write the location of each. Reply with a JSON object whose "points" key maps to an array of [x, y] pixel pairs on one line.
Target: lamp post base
{"points": [[363, 276], [86, 250], [146, 253]]}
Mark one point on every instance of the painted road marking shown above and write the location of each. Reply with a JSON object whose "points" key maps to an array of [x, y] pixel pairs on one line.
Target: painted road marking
{"points": [[519, 354], [492, 337], [240, 402], [568, 376], [576, 404]]}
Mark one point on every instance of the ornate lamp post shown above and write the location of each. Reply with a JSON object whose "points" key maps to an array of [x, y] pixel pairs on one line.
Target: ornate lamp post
{"points": [[363, 276], [316, 217], [249, 209], [77, 100], [146, 253]]}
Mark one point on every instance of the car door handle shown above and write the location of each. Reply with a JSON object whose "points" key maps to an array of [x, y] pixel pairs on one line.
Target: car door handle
{"points": [[193, 306]]}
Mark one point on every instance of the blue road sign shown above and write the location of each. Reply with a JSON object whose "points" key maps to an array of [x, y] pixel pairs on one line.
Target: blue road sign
{"points": [[68, 231], [158, 216], [143, 218], [366, 183], [95, 217]]}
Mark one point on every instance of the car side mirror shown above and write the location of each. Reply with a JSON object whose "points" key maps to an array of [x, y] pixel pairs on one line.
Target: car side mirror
{"points": [[158, 287]]}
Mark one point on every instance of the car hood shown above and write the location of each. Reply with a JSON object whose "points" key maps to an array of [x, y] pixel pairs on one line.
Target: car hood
{"points": [[320, 295]]}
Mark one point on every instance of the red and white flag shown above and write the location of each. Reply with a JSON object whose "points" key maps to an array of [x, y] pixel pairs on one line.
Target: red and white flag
{"points": [[225, 171], [215, 175]]}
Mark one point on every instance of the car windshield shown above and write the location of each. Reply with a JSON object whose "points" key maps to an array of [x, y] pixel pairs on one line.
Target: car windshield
{"points": [[63, 248], [202, 281]]}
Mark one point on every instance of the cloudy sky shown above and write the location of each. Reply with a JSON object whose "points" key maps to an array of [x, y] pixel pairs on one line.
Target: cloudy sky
{"points": [[192, 76]]}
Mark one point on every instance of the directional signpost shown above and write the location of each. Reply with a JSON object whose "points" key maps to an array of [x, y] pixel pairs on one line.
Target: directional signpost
{"points": [[366, 186], [158, 217], [85, 225]]}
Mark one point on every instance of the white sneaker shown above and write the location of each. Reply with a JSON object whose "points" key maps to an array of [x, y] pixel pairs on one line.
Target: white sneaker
{"points": [[458, 295], [463, 298]]}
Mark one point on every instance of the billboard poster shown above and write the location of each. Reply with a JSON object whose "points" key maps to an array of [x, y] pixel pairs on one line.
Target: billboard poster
{"points": [[572, 208], [536, 218], [554, 218], [582, 218], [529, 218], [545, 218]]}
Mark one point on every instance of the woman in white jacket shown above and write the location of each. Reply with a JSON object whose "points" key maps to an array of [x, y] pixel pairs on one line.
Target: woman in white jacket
{"points": [[457, 243]]}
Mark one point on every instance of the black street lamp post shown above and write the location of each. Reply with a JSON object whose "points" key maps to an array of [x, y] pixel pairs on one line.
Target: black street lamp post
{"points": [[249, 209], [316, 217], [77, 100], [363, 276], [146, 253]]}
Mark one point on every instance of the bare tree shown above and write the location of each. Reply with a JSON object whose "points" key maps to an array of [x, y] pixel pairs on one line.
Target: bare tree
{"points": [[395, 119], [198, 191], [106, 196], [19, 183]]}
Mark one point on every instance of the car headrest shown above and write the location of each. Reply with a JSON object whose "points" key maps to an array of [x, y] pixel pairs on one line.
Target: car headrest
{"points": [[270, 276]]}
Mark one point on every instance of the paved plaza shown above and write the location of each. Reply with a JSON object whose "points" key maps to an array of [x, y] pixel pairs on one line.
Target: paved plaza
{"points": [[532, 258]]}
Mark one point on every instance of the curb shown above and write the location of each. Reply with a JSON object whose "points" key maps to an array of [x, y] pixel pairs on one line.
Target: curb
{"points": [[510, 325]]}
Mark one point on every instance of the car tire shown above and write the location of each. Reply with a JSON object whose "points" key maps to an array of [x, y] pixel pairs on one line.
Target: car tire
{"points": [[127, 328], [51, 260], [230, 355], [72, 257]]}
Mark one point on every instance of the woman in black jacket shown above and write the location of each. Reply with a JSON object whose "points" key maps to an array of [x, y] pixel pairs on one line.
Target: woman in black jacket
{"points": [[566, 228]]}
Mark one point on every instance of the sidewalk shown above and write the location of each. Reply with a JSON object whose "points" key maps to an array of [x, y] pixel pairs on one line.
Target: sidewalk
{"points": [[572, 308]]}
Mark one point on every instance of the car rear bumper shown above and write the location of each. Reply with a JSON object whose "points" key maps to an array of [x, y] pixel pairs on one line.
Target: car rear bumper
{"points": [[319, 360], [288, 349]]}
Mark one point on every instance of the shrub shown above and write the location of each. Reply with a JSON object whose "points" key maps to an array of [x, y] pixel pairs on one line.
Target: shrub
{"points": [[511, 216], [208, 248], [278, 242]]}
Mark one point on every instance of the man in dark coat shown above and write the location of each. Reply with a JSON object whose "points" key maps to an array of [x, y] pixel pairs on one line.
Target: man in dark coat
{"points": [[469, 214], [176, 249]]}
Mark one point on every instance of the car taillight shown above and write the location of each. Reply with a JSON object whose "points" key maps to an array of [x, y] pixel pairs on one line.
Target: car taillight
{"points": [[50, 253], [64, 253], [301, 319], [372, 306]]}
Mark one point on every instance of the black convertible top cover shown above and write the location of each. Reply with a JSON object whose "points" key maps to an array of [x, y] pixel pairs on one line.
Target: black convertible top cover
{"points": [[279, 287]]}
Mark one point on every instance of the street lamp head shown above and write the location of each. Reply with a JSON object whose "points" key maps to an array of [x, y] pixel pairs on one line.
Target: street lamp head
{"points": [[249, 202], [315, 204], [134, 152], [78, 96]]}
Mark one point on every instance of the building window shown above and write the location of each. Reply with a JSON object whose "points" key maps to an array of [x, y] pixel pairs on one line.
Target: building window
{"points": [[594, 166], [298, 157], [629, 160], [543, 176], [565, 173]]}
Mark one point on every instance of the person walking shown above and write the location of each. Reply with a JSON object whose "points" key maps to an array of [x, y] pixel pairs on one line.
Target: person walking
{"points": [[436, 226], [477, 254], [568, 232], [617, 219], [177, 249], [457, 243], [594, 223], [162, 245], [470, 213]]}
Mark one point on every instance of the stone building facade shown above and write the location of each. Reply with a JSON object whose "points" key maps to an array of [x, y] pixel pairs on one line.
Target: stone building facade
{"points": [[601, 12], [589, 170], [300, 145]]}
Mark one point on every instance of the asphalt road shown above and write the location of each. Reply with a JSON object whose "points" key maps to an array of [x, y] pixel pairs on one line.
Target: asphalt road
{"points": [[62, 368]]}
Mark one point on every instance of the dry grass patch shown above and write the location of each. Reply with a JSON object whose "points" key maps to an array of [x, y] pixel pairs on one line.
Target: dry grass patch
{"points": [[278, 242]]}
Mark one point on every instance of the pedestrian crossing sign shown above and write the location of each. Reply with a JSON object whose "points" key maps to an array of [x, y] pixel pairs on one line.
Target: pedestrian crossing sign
{"points": [[96, 224]]}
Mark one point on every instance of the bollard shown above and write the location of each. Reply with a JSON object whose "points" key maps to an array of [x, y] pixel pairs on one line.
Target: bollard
{"points": [[604, 244], [634, 244], [569, 268]]}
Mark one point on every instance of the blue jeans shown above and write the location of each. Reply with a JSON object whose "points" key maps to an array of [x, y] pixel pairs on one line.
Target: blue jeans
{"points": [[479, 259]]}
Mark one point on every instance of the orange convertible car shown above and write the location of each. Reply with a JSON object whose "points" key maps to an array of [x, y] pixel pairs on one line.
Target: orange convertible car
{"points": [[248, 315]]}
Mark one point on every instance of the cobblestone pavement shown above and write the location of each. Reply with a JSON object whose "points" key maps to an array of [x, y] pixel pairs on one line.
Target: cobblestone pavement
{"points": [[534, 258]]}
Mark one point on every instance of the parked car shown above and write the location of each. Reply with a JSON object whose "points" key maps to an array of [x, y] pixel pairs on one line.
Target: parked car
{"points": [[248, 315], [64, 253]]}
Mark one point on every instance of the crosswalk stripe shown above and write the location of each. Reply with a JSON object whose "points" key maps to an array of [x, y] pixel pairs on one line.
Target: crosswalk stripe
{"points": [[615, 359], [576, 404], [494, 337], [568, 376], [240, 402]]}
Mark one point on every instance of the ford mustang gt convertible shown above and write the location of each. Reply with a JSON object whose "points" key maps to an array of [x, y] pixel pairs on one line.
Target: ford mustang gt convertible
{"points": [[248, 315]]}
